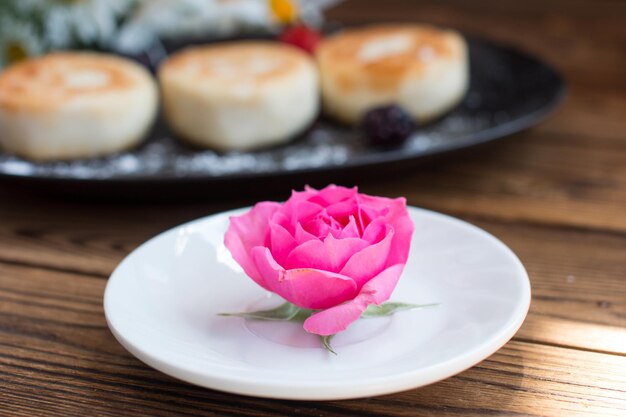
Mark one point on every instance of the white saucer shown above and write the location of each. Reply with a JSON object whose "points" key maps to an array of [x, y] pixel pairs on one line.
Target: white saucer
{"points": [[162, 302]]}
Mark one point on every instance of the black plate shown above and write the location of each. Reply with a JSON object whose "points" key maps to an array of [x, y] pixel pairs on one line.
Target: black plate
{"points": [[509, 91]]}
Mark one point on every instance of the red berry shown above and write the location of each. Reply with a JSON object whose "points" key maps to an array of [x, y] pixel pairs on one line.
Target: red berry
{"points": [[302, 37]]}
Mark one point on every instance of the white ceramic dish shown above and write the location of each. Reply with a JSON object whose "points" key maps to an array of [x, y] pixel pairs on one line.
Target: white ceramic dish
{"points": [[162, 302]]}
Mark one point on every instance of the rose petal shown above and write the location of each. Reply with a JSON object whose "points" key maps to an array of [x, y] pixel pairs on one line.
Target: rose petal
{"points": [[281, 242], [247, 231], [336, 319], [369, 214], [302, 235], [267, 266], [376, 230], [335, 230], [333, 194], [298, 207], [304, 211], [373, 203], [398, 217], [351, 229], [329, 255], [371, 208], [306, 288], [309, 189], [252, 226], [235, 245], [318, 226], [283, 220], [343, 210], [316, 289], [298, 196], [379, 289], [369, 262], [361, 221]]}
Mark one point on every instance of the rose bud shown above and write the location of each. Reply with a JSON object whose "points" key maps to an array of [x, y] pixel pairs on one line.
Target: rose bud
{"points": [[333, 251]]}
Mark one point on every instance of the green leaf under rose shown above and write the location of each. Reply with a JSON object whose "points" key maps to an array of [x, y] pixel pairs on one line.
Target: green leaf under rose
{"points": [[388, 309], [284, 312], [291, 312]]}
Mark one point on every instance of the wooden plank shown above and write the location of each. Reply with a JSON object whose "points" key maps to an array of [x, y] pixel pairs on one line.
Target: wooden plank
{"points": [[577, 275], [569, 171], [87, 237], [521, 379], [536, 177], [76, 241], [577, 280], [553, 36], [590, 116], [544, 329], [578, 285], [533, 177], [550, 28], [57, 357]]}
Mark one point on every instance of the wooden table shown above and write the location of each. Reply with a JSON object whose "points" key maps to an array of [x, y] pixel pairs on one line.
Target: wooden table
{"points": [[556, 194]]}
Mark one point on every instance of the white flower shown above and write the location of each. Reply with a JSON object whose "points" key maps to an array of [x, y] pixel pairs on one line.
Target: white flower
{"points": [[28, 7], [83, 22], [311, 10], [179, 18], [67, 24], [245, 13], [70, 23], [18, 40]]}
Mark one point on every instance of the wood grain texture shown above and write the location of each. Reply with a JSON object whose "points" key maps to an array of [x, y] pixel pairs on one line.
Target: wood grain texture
{"points": [[57, 357], [533, 177], [536, 177], [87, 237], [556, 194], [577, 275]]}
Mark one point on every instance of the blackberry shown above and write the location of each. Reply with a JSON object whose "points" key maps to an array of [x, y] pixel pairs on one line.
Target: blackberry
{"points": [[388, 126]]}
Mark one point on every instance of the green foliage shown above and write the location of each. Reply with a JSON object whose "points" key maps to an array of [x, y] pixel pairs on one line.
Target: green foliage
{"points": [[32, 27], [290, 312], [388, 309], [326, 343], [284, 312]]}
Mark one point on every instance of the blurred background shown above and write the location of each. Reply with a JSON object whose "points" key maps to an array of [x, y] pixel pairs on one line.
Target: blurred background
{"points": [[558, 164], [555, 194], [32, 27]]}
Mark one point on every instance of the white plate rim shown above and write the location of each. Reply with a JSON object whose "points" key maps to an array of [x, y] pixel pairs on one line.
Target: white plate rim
{"points": [[304, 390]]}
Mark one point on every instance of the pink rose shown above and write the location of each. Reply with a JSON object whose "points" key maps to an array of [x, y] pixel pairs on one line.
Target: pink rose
{"points": [[334, 251]]}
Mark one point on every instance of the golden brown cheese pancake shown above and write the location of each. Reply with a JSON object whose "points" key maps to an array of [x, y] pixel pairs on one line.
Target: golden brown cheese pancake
{"points": [[239, 95], [75, 105], [421, 68]]}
